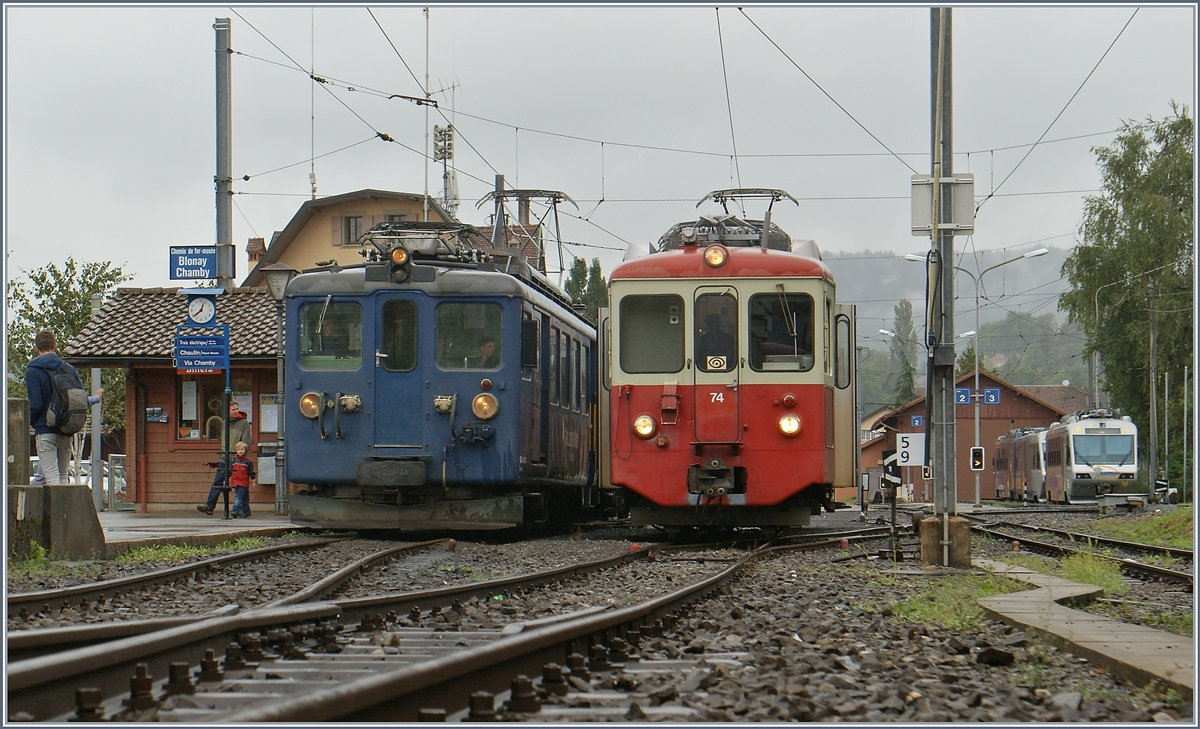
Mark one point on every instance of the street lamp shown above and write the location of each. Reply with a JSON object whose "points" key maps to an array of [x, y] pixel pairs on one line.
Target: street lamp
{"points": [[278, 275], [976, 396]]}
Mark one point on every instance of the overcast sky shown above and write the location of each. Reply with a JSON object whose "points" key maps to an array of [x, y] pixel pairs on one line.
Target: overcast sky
{"points": [[109, 116]]}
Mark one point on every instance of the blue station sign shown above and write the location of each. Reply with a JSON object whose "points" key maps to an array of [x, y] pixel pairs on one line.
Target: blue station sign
{"points": [[962, 396], [193, 262], [201, 355]]}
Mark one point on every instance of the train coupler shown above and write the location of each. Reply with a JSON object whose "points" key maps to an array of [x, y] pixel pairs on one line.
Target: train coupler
{"points": [[714, 479]]}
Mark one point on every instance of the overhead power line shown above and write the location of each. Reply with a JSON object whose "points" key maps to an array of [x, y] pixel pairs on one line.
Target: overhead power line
{"points": [[827, 94], [1060, 113]]}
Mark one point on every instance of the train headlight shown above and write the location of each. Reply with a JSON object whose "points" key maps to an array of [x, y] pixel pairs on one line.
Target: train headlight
{"points": [[715, 256], [644, 426], [310, 405], [485, 406], [789, 425], [399, 255]]}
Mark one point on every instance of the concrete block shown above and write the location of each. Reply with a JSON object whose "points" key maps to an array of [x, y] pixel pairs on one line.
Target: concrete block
{"points": [[26, 526], [71, 524], [931, 530]]}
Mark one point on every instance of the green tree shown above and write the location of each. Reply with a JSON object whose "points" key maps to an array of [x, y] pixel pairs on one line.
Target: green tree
{"points": [[875, 377], [1035, 349], [904, 352], [60, 300], [1132, 272], [596, 295], [965, 364], [576, 280]]}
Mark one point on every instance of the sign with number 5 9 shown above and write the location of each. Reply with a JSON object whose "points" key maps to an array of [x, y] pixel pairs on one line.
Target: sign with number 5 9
{"points": [[910, 449]]}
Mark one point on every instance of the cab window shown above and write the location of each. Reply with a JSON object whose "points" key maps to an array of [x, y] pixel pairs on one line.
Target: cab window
{"points": [[716, 332], [468, 336], [781, 332], [330, 335], [651, 334]]}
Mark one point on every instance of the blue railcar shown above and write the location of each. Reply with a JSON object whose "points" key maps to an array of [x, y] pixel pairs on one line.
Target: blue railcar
{"points": [[438, 384]]}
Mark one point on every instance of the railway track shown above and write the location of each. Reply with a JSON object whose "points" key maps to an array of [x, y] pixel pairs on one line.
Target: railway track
{"points": [[381, 657], [41, 641], [1173, 553], [1140, 570], [99, 591]]}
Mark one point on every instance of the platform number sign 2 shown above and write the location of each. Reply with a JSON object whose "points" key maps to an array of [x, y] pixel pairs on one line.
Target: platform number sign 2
{"points": [[910, 449]]}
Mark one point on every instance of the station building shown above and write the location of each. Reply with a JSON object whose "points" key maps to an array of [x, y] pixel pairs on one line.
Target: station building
{"points": [[1018, 407], [173, 420]]}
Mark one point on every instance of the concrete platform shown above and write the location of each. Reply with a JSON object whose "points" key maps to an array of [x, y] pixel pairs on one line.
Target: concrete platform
{"points": [[124, 530], [1132, 652]]}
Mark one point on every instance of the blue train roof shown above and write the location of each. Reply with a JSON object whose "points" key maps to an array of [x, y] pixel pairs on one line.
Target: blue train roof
{"points": [[433, 279]]}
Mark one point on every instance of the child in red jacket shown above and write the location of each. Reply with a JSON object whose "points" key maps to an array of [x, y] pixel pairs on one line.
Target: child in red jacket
{"points": [[241, 472]]}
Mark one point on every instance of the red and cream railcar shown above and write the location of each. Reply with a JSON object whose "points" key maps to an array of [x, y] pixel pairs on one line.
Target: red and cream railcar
{"points": [[729, 386]]}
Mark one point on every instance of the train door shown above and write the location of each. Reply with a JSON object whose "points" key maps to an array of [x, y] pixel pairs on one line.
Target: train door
{"points": [[398, 377], [717, 365], [845, 398]]}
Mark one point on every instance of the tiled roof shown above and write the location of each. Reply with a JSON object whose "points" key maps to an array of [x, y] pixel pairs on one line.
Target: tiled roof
{"points": [[1064, 398], [141, 323], [284, 238]]}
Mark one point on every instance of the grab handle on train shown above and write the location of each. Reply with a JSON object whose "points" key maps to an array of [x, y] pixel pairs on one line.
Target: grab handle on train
{"points": [[337, 415]]}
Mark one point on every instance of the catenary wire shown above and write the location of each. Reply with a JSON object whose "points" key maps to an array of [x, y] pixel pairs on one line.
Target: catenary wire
{"points": [[728, 101], [823, 91], [1061, 112]]}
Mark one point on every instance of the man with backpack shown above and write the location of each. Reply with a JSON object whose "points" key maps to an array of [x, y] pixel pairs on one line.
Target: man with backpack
{"points": [[58, 405]]}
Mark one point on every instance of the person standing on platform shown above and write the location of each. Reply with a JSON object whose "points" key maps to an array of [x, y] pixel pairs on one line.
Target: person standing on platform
{"points": [[53, 445], [241, 473]]}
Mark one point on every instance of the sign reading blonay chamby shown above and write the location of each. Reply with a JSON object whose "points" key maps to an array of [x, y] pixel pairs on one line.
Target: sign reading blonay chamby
{"points": [[193, 262]]}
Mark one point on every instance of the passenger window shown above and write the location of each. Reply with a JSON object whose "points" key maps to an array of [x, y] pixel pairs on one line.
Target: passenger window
{"points": [[554, 336], [330, 335], [578, 380], [827, 353], [781, 332], [398, 335], [468, 336], [651, 334], [844, 353], [716, 332], [565, 354]]}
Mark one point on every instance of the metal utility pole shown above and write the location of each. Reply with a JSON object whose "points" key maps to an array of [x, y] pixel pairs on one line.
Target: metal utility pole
{"points": [[941, 322], [426, 89], [945, 539], [97, 415], [224, 176], [1153, 448]]}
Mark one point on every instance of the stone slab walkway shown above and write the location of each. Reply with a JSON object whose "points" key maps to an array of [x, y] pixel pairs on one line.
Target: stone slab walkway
{"points": [[1132, 652]]}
